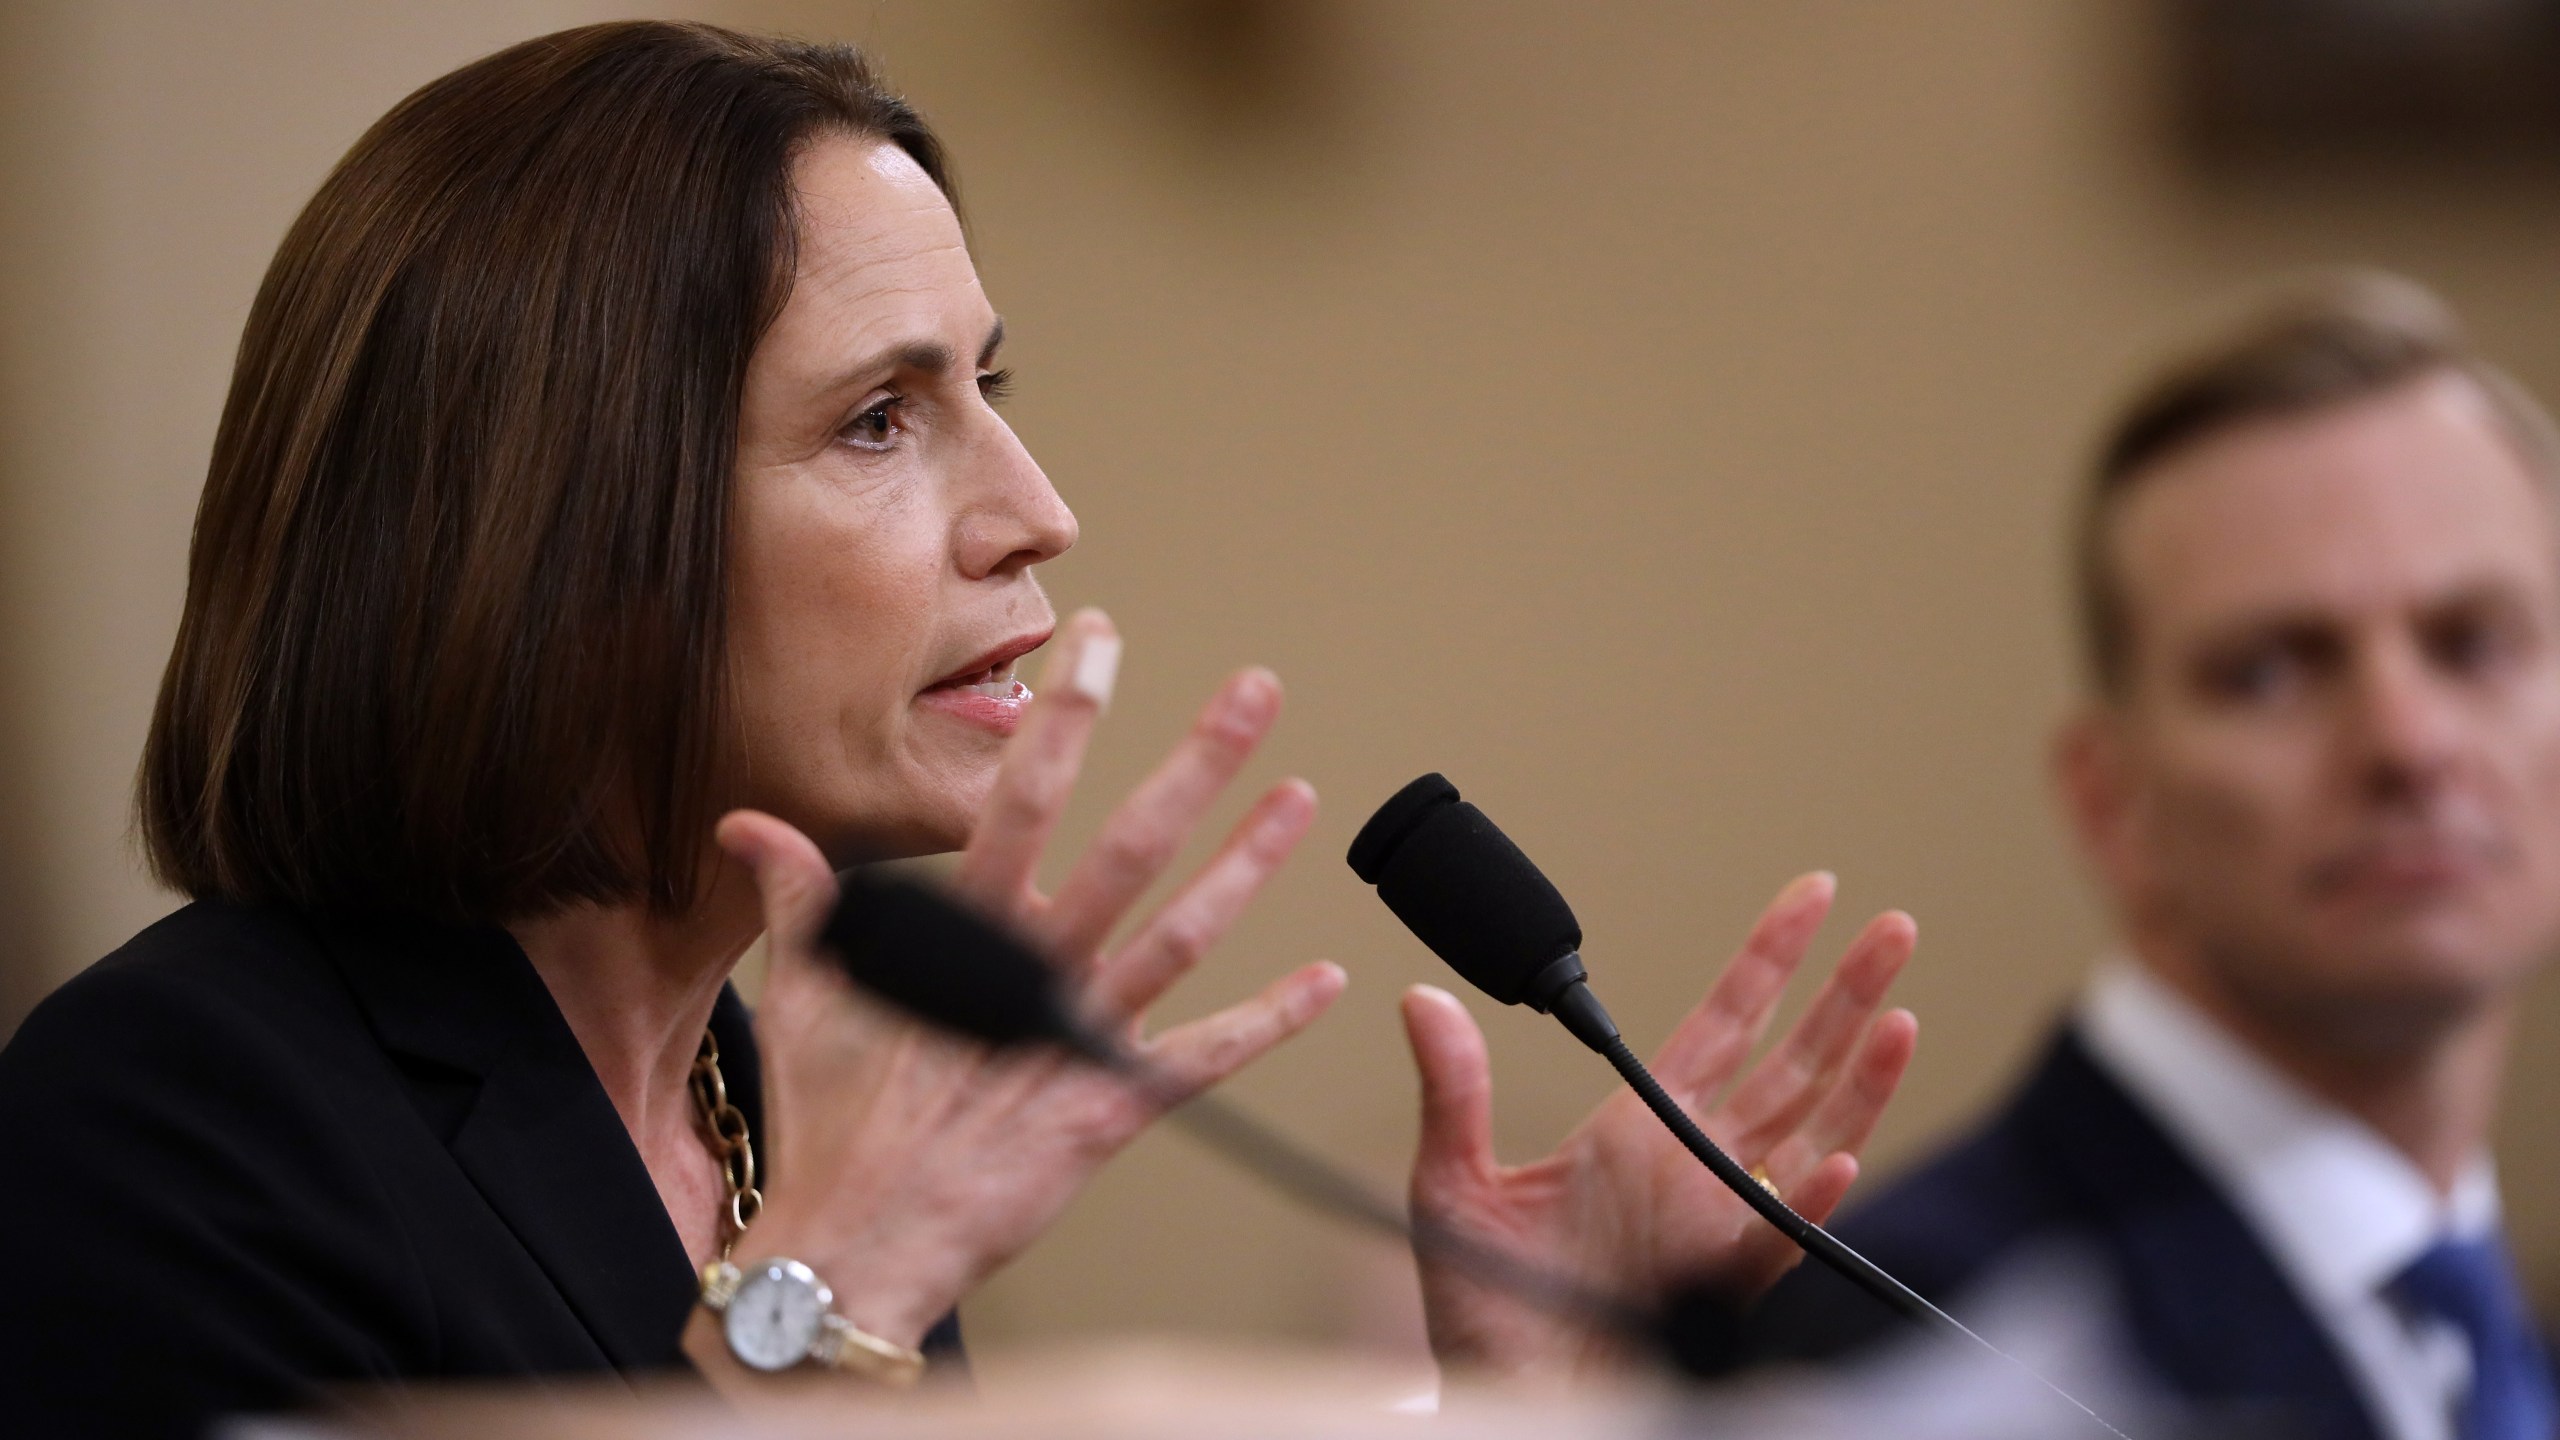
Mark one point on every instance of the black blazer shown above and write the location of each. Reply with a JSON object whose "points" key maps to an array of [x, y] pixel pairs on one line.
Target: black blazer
{"points": [[2072, 1157], [256, 1152]]}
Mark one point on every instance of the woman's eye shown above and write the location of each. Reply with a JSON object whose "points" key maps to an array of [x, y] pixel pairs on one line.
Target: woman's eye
{"points": [[876, 428], [996, 386]]}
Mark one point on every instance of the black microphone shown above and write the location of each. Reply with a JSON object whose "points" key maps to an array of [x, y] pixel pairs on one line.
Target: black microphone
{"points": [[1460, 885], [1466, 891], [946, 964]]}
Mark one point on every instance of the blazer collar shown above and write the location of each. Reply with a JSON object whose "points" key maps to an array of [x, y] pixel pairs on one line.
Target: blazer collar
{"points": [[2207, 1304], [540, 1139]]}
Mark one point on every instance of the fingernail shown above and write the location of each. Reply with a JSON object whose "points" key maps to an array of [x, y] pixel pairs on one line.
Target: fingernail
{"points": [[1097, 668], [1292, 804], [1257, 697], [1321, 988], [1085, 658]]}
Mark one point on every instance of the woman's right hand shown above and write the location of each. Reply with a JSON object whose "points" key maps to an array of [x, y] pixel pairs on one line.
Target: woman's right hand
{"points": [[907, 1165]]}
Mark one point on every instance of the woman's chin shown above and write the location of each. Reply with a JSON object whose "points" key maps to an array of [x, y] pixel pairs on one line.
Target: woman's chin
{"points": [[943, 838], [924, 810], [849, 840]]}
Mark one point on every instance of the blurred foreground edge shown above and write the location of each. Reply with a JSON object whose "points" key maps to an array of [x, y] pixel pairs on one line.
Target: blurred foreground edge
{"points": [[1143, 1389]]}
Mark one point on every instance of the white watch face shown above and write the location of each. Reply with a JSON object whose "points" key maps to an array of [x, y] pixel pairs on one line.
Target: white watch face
{"points": [[775, 1315]]}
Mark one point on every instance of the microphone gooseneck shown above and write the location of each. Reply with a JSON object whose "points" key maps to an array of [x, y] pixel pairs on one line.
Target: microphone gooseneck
{"points": [[1477, 900]]}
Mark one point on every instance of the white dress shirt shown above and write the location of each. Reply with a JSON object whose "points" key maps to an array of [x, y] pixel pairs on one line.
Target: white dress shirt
{"points": [[2338, 1208]]}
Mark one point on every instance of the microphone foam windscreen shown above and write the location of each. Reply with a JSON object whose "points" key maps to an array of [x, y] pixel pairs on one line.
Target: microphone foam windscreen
{"points": [[944, 963], [1460, 885]]}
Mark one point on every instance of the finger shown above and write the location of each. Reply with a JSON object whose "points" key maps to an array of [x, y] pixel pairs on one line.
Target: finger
{"points": [[1457, 1089], [1763, 1254], [1149, 827], [1847, 1116], [793, 881], [1819, 1194], [1040, 765], [1784, 1087], [1176, 938], [1712, 1041], [1208, 1050]]}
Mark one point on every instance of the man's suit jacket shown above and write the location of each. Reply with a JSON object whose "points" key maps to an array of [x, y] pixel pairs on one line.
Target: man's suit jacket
{"points": [[256, 1152], [2073, 1160]]}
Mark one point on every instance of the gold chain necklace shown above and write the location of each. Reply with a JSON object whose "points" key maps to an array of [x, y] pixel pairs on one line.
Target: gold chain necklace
{"points": [[726, 1130]]}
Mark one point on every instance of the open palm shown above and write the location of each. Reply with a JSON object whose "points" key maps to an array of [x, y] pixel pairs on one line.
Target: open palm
{"points": [[1621, 1204]]}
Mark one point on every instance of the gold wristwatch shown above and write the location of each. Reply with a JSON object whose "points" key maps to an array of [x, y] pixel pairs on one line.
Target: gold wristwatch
{"points": [[778, 1314]]}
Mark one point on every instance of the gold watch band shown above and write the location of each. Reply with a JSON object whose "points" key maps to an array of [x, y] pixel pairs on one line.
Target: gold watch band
{"points": [[841, 1345]]}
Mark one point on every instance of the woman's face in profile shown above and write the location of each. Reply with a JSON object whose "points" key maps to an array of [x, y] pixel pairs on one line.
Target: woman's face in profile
{"points": [[885, 525]]}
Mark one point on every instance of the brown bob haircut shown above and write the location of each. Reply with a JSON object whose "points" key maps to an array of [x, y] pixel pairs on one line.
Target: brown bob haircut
{"points": [[454, 635], [2319, 343]]}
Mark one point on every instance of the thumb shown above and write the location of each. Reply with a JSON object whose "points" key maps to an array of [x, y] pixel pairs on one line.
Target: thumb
{"points": [[1457, 1089], [792, 879]]}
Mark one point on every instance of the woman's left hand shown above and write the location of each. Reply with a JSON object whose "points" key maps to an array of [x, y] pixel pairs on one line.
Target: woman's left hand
{"points": [[1621, 1205], [908, 1165]]}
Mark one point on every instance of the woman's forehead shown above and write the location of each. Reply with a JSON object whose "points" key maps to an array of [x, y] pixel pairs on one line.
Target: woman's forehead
{"points": [[878, 245]]}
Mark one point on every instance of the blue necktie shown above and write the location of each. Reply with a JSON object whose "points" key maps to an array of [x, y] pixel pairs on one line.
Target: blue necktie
{"points": [[2472, 1284]]}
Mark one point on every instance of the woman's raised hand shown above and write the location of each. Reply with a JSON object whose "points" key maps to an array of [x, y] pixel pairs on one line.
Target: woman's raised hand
{"points": [[906, 1165], [1621, 1205]]}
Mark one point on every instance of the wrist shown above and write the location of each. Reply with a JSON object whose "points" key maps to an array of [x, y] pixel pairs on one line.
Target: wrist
{"points": [[898, 1312], [777, 1314], [884, 1294]]}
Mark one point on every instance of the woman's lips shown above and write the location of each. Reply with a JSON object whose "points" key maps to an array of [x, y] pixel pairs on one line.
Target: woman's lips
{"points": [[992, 701], [986, 694]]}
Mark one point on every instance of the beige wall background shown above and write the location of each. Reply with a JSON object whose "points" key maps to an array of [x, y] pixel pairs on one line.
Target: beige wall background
{"points": [[1658, 416]]}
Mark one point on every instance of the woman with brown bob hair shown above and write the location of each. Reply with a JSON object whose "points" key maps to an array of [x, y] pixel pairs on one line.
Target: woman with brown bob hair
{"points": [[609, 532]]}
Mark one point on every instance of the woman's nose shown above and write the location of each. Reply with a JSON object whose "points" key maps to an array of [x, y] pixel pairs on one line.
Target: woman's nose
{"points": [[1012, 518]]}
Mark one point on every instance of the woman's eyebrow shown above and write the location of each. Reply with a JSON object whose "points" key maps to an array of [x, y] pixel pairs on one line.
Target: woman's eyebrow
{"points": [[930, 356]]}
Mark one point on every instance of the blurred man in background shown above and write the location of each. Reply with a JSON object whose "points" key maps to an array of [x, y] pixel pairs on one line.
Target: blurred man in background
{"points": [[2318, 778]]}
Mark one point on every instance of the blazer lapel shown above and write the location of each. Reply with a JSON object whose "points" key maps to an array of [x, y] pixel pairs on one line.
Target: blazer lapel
{"points": [[2208, 1306], [540, 1140]]}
